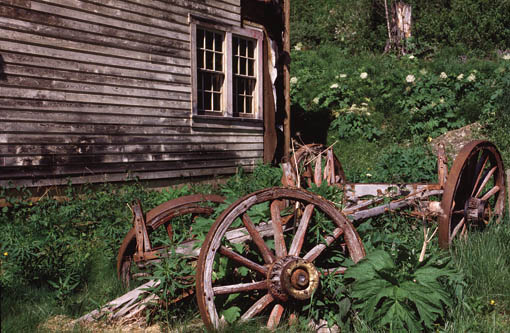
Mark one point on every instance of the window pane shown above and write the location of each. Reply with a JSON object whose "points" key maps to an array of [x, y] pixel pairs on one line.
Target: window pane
{"points": [[235, 65], [209, 40], [251, 67], [249, 101], [218, 43], [200, 59], [218, 64], [209, 60], [207, 101], [251, 49], [242, 66], [235, 45], [240, 104], [217, 102], [200, 38], [207, 81], [242, 47], [217, 82]]}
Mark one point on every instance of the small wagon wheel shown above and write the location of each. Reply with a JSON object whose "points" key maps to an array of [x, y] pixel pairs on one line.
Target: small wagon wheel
{"points": [[474, 191], [262, 282], [162, 215], [315, 163]]}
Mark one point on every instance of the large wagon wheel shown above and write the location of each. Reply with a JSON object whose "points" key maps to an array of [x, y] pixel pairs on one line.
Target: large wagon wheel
{"points": [[315, 163], [474, 192], [186, 206], [262, 282]]}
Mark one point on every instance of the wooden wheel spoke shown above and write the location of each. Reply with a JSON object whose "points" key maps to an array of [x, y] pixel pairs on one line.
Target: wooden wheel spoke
{"points": [[299, 237], [257, 239], [242, 260], [317, 174], [486, 178], [240, 287], [317, 249], [490, 193], [257, 307], [279, 241], [331, 161], [336, 270], [275, 316], [457, 228], [479, 170]]}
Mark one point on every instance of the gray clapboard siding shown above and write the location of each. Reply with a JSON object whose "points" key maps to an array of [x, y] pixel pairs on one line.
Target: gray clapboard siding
{"points": [[100, 90], [182, 174], [27, 59]]}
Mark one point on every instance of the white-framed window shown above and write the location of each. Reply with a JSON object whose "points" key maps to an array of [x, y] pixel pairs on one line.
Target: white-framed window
{"points": [[226, 63]]}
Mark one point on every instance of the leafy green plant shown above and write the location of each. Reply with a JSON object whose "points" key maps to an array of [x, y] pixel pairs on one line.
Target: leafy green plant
{"points": [[64, 287], [404, 295], [176, 277]]}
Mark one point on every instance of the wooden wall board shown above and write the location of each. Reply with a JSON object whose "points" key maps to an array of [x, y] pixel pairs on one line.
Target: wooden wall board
{"points": [[100, 90]]}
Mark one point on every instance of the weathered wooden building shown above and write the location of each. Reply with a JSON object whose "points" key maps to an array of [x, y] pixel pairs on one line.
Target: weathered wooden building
{"points": [[110, 90]]}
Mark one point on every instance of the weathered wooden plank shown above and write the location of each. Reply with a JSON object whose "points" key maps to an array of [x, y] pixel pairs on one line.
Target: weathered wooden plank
{"points": [[88, 159], [82, 128], [31, 169], [92, 58], [19, 92], [226, 123], [228, 13], [107, 8], [121, 57], [158, 79], [106, 34], [119, 23], [88, 138], [37, 80], [19, 3], [73, 76], [79, 147], [90, 108], [172, 48], [123, 176], [94, 118]]}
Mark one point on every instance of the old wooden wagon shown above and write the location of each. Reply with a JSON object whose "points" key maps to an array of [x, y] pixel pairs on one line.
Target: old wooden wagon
{"points": [[277, 260]]}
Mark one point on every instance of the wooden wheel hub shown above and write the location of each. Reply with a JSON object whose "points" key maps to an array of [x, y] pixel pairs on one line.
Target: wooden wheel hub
{"points": [[476, 210], [300, 279], [294, 277]]}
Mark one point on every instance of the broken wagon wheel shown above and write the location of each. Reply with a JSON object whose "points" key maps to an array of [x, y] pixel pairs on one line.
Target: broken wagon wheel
{"points": [[315, 163], [474, 192], [254, 280], [162, 215]]}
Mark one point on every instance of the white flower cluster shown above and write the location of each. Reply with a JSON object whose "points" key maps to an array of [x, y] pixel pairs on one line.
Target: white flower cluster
{"points": [[293, 80], [334, 86], [471, 77], [506, 56], [363, 75], [410, 78], [443, 75], [298, 46], [315, 100]]}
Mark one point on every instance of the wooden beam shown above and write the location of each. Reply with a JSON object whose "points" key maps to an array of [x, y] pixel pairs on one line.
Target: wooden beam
{"points": [[286, 78]]}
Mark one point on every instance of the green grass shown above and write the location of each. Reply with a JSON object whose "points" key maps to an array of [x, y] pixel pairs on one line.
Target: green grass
{"points": [[485, 260], [25, 309]]}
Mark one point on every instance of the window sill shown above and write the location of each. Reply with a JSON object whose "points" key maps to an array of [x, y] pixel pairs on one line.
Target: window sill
{"points": [[220, 119]]}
